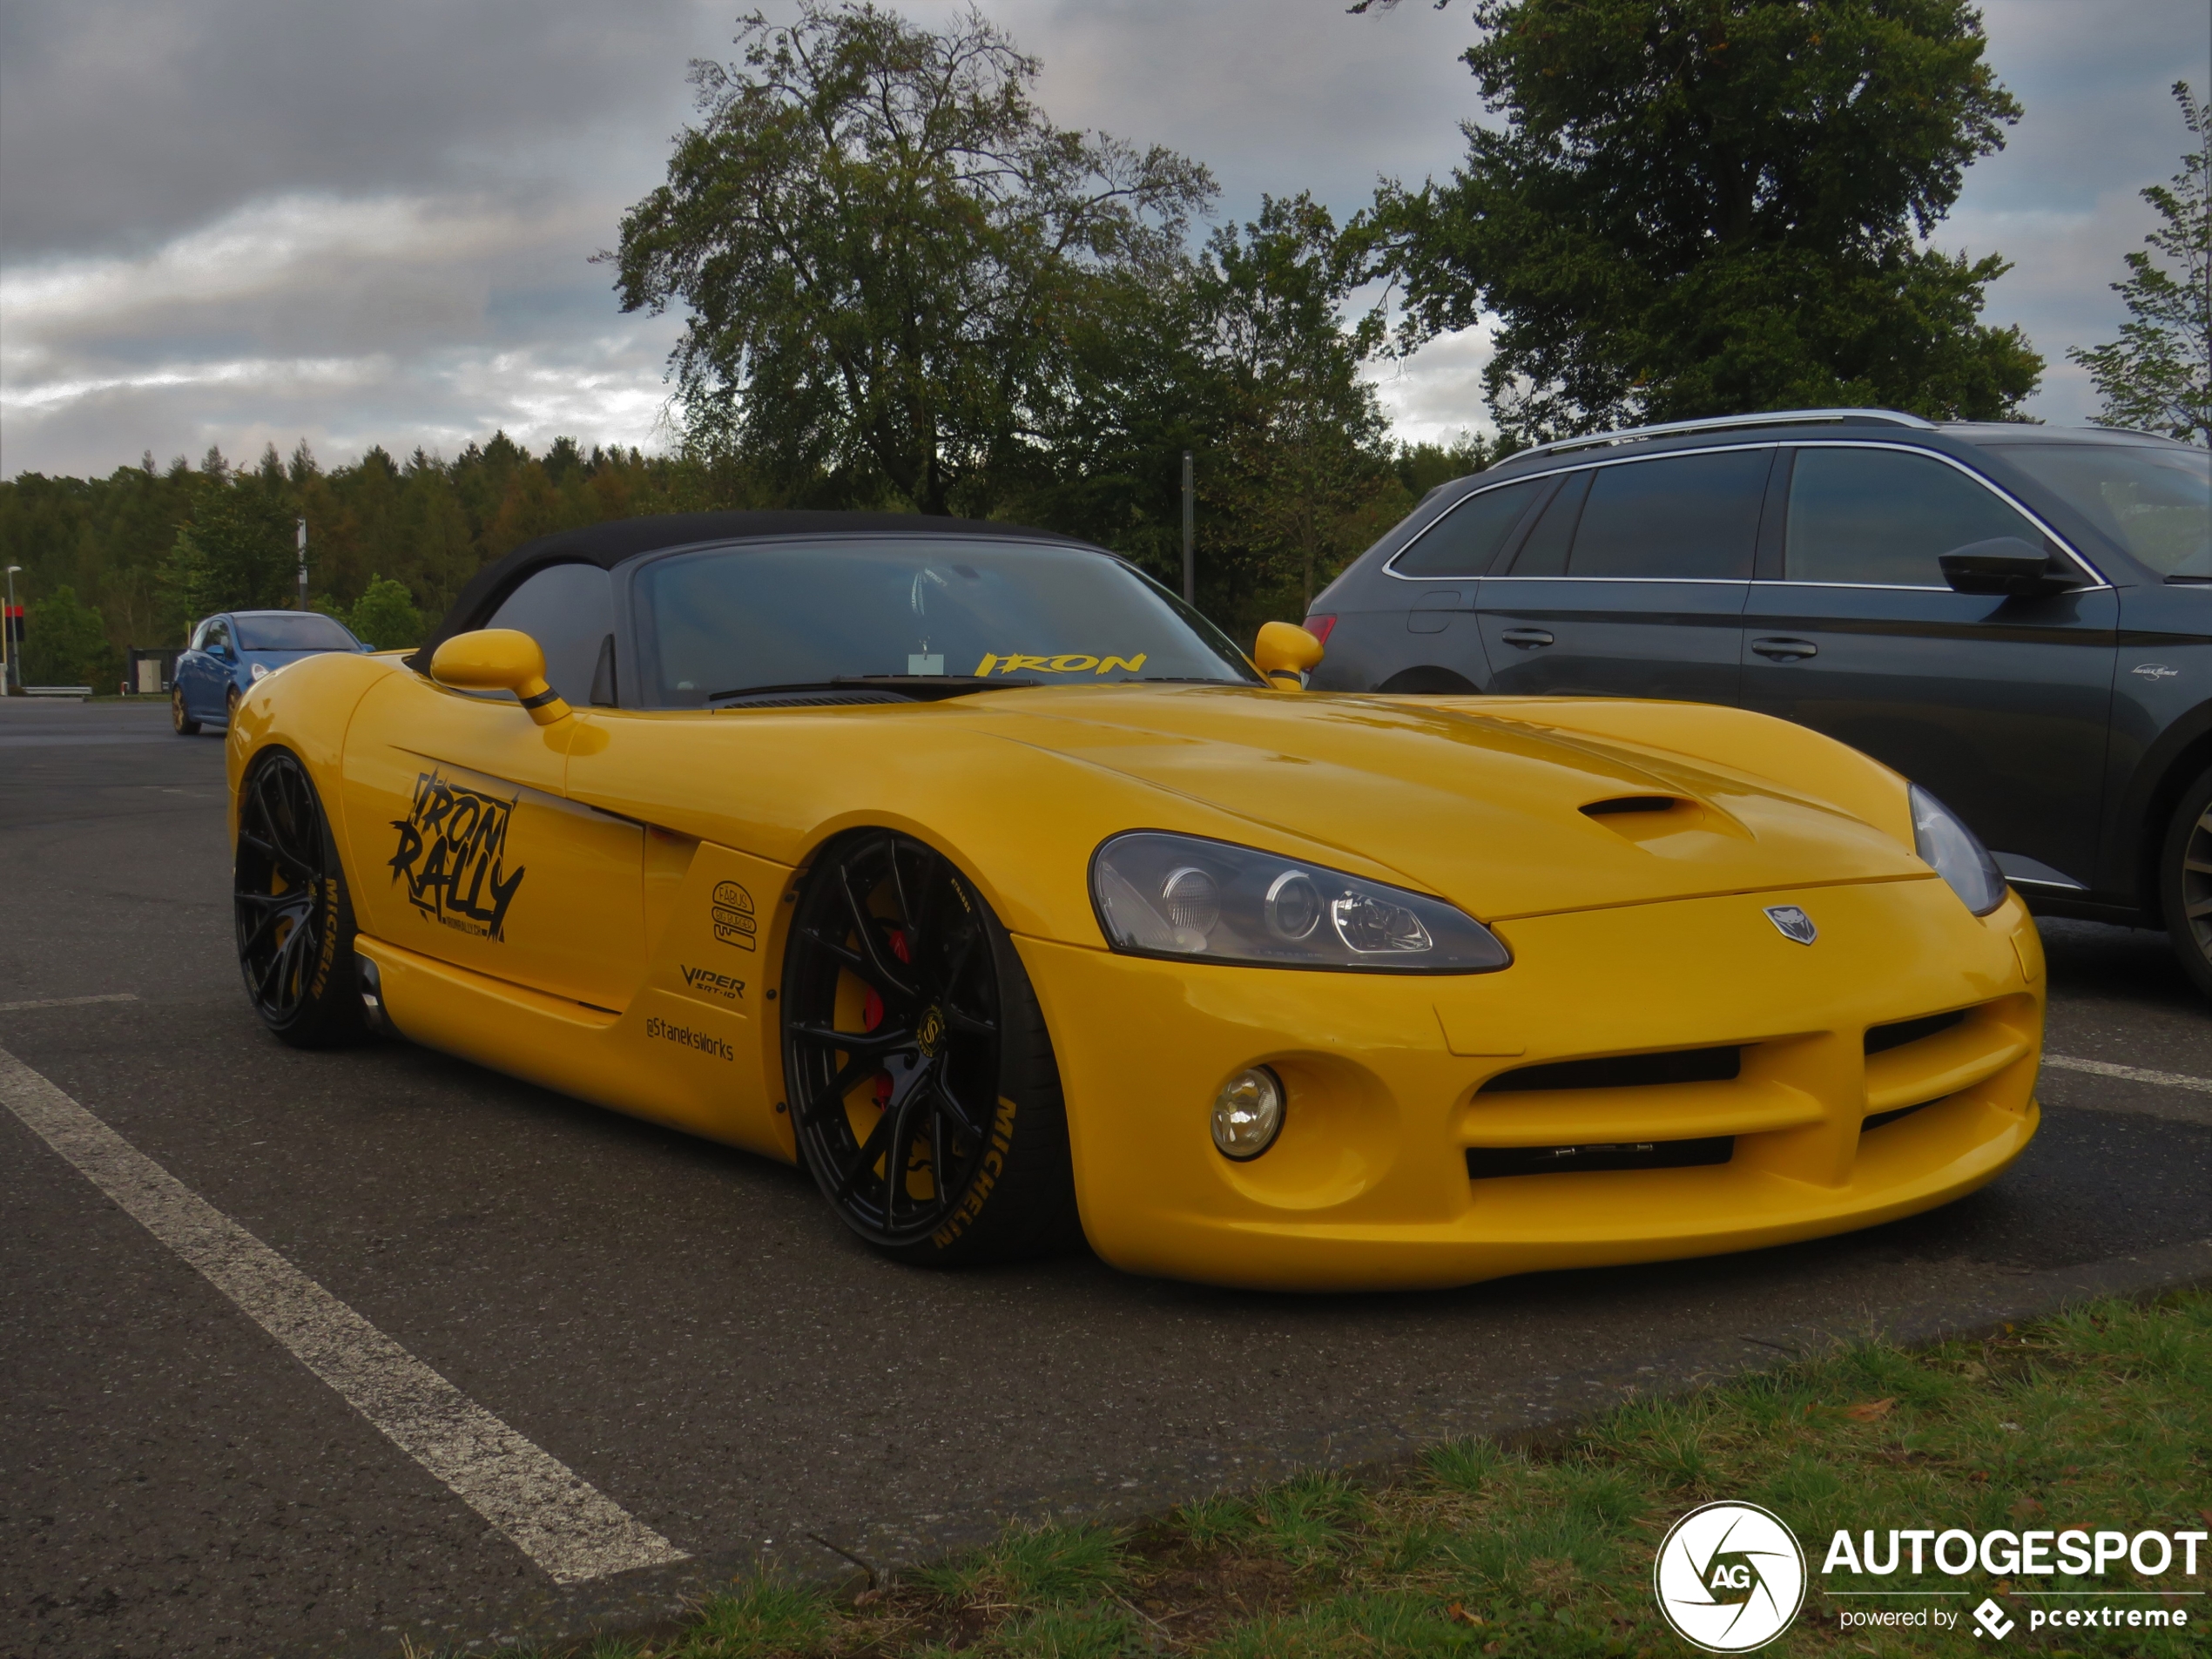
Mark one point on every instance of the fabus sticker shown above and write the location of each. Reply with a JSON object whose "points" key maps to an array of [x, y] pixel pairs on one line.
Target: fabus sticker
{"points": [[452, 854], [732, 916]]}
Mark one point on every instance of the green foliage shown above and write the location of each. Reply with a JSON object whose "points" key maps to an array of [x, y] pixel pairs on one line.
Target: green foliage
{"points": [[2157, 376], [386, 616], [64, 644], [892, 299], [1707, 206]]}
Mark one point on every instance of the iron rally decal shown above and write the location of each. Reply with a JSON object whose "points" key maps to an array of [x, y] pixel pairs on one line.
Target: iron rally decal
{"points": [[452, 855]]}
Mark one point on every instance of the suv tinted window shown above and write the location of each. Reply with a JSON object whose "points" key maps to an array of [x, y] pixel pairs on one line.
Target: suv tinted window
{"points": [[1677, 516], [1467, 539], [1883, 517], [2153, 500]]}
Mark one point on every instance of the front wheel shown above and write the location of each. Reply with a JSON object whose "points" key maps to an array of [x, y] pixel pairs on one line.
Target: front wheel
{"points": [[2185, 882], [186, 726], [922, 1086], [295, 919]]}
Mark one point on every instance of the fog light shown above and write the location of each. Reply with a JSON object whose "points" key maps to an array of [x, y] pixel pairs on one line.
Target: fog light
{"points": [[1248, 1114]]}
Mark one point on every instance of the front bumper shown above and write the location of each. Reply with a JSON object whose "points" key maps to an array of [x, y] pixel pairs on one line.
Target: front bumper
{"points": [[1369, 1184]]}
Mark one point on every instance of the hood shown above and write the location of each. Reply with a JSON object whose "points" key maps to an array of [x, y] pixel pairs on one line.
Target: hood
{"points": [[1491, 814]]}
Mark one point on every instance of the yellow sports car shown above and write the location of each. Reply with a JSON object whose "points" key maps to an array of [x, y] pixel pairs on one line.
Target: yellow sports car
{"points": [[973, 870]]}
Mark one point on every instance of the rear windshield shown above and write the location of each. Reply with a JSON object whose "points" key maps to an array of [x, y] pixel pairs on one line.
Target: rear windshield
{"points": [[299, 630], [2155, 500], [804, 614]]}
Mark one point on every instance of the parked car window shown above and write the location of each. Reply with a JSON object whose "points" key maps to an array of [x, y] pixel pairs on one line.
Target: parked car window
{"points": [[215, 636], [1693, 515], [1466, 540], [1884, 516], [1545, 551], [299, 630], [2154, 501], [569, 610]]}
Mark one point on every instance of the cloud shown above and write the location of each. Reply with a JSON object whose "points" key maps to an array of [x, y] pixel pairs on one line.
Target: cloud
{"points": [[248, 220]]}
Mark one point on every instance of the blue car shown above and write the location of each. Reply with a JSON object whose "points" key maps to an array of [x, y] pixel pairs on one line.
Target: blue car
{"points": [[229, 652]]}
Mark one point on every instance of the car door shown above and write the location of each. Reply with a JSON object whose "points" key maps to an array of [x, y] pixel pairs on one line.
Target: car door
{"points": [[1437, 577], [208, 677], [1999, 706], [465, 844], [1631, 581]]}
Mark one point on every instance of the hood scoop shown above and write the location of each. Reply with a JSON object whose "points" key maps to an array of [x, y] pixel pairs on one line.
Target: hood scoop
{"points": [[1653, 822]]}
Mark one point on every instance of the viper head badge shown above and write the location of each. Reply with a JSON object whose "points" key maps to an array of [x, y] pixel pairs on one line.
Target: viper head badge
{"points": [[1792, 923]]}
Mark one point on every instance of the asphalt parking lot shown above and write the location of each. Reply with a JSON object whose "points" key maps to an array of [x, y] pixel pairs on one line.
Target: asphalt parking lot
{"points": [[687, 1329]]}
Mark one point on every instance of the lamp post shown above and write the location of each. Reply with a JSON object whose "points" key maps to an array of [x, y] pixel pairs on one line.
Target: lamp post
{"points": [[1189, 548], [10, 673]]}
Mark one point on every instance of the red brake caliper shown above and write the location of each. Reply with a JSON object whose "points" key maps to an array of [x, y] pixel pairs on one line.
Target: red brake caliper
{"points": [[872, 1015]]}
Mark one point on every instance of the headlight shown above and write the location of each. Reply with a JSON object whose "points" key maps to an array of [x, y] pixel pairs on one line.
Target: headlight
{"points": [[1177, 895], [260, 671], [1954, 852]]}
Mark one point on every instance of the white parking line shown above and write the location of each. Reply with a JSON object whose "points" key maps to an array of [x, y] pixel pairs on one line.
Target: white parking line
{"points": [[66, 1002], [2133, 1074], [561, 1521]]}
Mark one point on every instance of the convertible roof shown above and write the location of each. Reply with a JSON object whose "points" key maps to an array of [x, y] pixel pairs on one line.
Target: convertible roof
{"points": [[607, 545]]}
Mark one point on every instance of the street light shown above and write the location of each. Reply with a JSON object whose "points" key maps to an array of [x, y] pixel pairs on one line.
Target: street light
{"points": [[10, 676]]}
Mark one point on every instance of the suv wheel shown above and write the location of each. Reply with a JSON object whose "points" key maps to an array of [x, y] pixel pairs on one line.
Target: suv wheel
{"points": [[2185, 882]]}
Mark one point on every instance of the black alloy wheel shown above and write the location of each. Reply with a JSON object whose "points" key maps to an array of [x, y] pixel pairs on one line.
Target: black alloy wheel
{"points": [[186, 726], [295, 919], [921, 1082]]}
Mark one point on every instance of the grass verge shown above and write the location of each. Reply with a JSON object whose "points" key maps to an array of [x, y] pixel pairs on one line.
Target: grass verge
{"points": [[2099, 1419]]}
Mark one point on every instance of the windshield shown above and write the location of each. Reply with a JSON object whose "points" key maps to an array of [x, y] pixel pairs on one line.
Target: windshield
{"points": [[2155, 500], [292, 630], [741, 619]]}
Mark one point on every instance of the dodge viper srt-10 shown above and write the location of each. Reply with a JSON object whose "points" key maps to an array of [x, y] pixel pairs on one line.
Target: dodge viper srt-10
{"points": [[974, 871]]}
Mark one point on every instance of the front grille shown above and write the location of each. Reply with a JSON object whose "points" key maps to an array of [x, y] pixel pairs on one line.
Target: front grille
{"points": [[1624, 1071], [1488, 1163], [1880, 1119], [1880, 1039]]}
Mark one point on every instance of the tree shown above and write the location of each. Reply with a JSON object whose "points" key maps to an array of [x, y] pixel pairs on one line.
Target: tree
{"points": [[237, 553], [880, 240], [1305, 469], [1710, 207], [2157, 376], [386, 616], [65, 644]]}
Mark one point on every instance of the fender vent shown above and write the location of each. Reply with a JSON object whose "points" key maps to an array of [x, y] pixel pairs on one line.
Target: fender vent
{"points": [[1488, 1163], [1623, 1071]]}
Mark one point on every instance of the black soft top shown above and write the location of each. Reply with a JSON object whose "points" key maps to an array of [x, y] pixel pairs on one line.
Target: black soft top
{"points": [[607, 545]]}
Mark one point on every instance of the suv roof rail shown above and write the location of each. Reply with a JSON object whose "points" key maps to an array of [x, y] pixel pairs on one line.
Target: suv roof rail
{"points": [[1727, 422]]}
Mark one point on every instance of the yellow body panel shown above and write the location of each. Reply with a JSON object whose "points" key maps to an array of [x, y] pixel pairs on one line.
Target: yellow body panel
{"points": [[598, 905]]}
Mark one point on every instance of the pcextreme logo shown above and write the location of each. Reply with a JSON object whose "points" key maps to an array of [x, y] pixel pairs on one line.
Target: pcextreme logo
{"points": [[1730, 1577]]}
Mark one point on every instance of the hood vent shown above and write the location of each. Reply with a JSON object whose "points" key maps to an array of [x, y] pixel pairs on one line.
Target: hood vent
{"points": [[1620, 804]]}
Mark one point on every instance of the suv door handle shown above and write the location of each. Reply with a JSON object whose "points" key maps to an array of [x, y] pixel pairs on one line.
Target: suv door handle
{"points": [[1785, 650], [1526, 639]]}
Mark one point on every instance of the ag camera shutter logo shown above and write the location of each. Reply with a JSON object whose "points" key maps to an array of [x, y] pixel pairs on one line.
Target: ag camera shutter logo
{"points": [[1730, 1577]]}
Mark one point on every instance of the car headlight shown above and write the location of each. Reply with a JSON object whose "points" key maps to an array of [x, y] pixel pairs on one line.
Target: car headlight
{"points": [[1179, 896], [1956, 853], [260, 671]]}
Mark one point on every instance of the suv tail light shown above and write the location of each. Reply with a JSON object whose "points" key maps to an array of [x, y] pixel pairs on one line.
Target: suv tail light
{"points": [[1319, 626]]}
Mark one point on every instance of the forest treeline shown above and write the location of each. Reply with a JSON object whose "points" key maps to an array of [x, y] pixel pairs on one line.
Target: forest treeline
{"points": [[134, 558]]}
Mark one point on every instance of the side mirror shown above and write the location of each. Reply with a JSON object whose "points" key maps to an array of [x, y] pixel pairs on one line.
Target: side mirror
{"points": [[2005, 565], [1283, 652], [500, 660]]}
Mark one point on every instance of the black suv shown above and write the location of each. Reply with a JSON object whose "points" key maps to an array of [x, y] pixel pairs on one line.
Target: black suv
{"points": [[2017, 618]]}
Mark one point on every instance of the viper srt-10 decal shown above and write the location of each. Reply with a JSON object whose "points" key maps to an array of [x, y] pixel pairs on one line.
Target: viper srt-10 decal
{"points": [[1074, 662], [452, 855]]}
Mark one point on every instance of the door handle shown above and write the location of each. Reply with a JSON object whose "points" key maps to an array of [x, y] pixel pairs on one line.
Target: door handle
{"points": [[1526, 639], [1785, 650]]}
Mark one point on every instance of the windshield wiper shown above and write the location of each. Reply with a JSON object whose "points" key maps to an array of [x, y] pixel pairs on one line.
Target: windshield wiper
{"points": [[922, 688]]}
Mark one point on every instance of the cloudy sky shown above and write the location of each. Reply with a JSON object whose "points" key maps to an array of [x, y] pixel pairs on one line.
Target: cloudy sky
{"points": [[239, 221]]}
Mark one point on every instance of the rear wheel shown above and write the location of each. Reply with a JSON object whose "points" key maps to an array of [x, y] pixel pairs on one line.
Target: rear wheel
{"points": [[2185, 882], [186, 726], [295, 919], [922, 1086]]}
